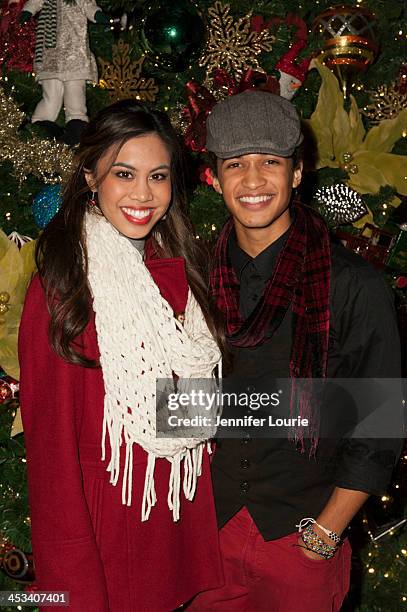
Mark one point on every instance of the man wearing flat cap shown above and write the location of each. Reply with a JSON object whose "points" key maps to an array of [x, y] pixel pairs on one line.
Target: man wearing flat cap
{"points": [[296, 307]]}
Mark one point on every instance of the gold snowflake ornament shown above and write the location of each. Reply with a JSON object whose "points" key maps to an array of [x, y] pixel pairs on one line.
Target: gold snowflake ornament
{"points": [[386, 103], [123, 79], [232, 45]]}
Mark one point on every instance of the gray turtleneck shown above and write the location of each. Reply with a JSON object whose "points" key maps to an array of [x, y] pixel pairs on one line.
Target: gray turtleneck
{"points": [[138, 244]]}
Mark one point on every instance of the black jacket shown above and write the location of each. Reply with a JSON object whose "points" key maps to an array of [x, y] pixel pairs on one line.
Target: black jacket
{"points": [[278, 484]]}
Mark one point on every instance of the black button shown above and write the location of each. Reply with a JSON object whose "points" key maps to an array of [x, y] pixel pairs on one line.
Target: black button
{"points": [[244, 464], [246, 440], [244, 486]]}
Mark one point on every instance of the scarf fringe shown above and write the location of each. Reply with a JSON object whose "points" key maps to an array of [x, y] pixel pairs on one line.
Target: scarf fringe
{"points": [[149, 494], [115, 429], [303, 403], [192, 459]]}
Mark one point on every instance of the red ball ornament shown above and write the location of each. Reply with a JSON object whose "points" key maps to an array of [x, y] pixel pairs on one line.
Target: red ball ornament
{"points": [[350, 40], [8, 388], [401, 282], [5, 392]]}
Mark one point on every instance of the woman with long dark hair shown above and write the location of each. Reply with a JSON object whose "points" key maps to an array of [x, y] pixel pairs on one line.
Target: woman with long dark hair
{"points": [[122, 520]]}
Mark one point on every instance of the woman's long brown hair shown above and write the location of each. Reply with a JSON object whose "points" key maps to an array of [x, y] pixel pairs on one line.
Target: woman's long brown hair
{"points": [[61, 250]]}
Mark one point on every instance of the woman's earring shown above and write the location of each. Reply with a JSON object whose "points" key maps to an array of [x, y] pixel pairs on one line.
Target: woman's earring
{"points": [[92, 200]]}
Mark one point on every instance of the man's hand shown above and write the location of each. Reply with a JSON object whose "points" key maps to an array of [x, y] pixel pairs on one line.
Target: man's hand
{"points": [[337, 514]]}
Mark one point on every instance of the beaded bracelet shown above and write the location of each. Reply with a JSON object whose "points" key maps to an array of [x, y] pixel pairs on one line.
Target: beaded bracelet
{"points": [[331, 534], [314, 543]]}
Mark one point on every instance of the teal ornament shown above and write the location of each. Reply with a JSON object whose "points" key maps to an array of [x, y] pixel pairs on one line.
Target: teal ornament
{"points": [[46, 204], [173, 34]]}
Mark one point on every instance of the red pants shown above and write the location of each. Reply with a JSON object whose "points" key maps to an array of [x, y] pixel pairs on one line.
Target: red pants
{"points": [[273, 576]]}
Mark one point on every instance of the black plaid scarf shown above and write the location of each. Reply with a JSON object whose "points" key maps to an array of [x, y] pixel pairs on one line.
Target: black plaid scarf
{"points": [[301, 279]]}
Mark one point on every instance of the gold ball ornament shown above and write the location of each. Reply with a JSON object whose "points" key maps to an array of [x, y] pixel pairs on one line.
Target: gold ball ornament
{"points": [[3, 309], [4, 297], [350, 41], [347, 166]]}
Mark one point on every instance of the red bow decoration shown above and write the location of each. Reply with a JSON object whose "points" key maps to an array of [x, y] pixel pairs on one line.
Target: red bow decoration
{"points": [[199, 105]]}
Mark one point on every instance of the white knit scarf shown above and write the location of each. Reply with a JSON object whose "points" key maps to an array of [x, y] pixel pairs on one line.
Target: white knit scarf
{"points": [[140, 341]]}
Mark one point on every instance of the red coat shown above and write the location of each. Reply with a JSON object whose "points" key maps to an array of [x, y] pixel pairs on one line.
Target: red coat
{"points": [[84, 540]]}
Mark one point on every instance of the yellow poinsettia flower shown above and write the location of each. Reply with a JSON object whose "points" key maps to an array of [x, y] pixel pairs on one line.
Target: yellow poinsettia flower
{"points": [[342, 142], [16, 269]]}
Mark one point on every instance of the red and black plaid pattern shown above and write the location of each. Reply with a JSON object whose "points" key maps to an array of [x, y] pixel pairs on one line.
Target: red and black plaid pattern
{"points": [[301, 280]]}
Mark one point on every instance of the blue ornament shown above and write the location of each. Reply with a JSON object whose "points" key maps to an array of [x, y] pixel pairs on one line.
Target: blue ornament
{"points": [[46, 204]]}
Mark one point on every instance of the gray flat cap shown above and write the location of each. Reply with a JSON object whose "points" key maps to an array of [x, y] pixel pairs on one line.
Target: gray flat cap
{"points": [[253, 122]]}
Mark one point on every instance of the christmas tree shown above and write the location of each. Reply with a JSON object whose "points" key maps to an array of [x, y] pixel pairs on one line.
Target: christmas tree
{"points": [[344, 69]]}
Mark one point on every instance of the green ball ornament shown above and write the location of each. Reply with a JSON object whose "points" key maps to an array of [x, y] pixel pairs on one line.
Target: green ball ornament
{"points": [[173, 34]]}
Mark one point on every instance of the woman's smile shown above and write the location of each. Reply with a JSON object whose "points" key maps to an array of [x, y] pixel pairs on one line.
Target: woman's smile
{"points": [[139, 215]]}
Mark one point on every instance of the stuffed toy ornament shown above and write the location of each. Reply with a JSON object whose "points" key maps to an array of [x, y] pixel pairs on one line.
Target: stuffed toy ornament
{"points": [[63, 62], [292, 72]]}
